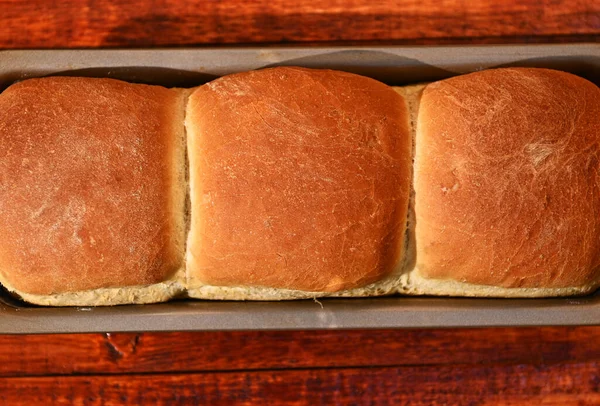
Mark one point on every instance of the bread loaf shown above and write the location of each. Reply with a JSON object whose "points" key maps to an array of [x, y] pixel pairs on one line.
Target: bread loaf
{"points": [[92, 191], [301, 183], [507, 185]]}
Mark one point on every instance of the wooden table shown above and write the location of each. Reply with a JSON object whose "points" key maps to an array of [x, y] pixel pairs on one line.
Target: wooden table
{"points": [[552, 365]]}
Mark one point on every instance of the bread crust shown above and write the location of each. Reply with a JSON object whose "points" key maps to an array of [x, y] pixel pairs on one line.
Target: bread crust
{"points": [[507, 180], [92, 186], [299, 178]]}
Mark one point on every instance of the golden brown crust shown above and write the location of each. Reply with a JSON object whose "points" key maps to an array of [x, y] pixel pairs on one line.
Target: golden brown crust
{"points": [[91, 187], [507, 180], [300, 180]]}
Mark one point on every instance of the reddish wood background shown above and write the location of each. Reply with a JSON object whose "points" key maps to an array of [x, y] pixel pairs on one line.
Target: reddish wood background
{"points": [[556, 365], [102, 23], [529, 366]]}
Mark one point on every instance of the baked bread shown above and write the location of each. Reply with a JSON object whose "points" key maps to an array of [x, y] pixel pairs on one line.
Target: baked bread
{"points": [[299, 184], [92, 191], [507, 185]]}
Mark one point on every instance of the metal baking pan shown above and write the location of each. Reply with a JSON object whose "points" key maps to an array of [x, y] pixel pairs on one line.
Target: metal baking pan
{"points": [[392, 65]]}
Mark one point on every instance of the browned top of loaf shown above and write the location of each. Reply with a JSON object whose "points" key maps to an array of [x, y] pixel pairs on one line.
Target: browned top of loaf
{"points": [[507, 179], [86, 193], [300, 179]]}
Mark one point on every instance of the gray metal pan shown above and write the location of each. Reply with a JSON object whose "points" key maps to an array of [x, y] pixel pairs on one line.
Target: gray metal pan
{"points": [[392, 65]]}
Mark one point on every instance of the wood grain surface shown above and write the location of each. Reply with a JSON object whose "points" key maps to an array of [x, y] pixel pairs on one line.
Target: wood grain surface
{"points": [[261, 350], [559, 385], [143, 23], [493, 366], [549, 365]]}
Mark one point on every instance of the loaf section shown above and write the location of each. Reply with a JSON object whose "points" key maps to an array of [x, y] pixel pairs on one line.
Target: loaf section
{"points": [[92, 191], [289, 183], [300, 184], [507, 185]]}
